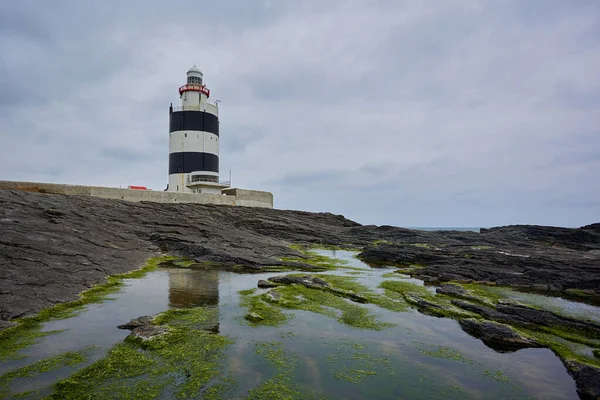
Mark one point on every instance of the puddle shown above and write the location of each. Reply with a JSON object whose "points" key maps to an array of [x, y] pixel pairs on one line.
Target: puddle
{"points": [[419, 357]]}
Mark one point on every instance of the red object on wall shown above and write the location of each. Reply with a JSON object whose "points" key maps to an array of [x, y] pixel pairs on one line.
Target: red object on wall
{"points": [[137, 187]]}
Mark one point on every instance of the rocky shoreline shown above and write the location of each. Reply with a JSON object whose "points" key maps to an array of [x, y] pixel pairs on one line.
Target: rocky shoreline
{"points": [[52, 247]]}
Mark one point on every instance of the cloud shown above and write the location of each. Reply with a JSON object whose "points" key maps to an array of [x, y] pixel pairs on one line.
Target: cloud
{"points": [[458, 113]]}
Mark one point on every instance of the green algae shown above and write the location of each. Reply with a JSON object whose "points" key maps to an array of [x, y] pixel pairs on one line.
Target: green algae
{"points": [[381, 241], [42, 366], [422, 245], [567, 346], [333, 247], [298, 297], [180, 363], [596, 353], [444, 352], [260, 312], [332, 301], [316, 261], [403, 287], [265, 308], [247, 292], [28, 329], [350, 362], [439, 306], [486, 292], [583, 295], [281, 385], [497, 375], [354, 273]]}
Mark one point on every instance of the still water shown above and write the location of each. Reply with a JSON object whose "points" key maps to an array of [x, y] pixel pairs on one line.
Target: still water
{"points": [[420, 357]]}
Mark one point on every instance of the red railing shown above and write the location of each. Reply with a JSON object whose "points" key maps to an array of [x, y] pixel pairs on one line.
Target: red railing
{"points": [[194, 88]]}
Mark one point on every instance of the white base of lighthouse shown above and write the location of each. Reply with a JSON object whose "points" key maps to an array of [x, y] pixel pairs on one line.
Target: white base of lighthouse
{"points": [[196, 182]]}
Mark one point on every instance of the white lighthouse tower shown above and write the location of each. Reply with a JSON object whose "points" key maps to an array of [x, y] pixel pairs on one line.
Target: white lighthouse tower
{"points": [[194, 140]]}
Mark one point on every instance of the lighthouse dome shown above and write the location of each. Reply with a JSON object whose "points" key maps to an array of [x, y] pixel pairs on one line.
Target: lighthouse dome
{"points": [[194, 76], [194, 70]]}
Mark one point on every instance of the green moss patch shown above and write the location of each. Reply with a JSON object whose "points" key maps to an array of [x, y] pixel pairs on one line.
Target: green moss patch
{"points": [[42, 366], [181, 363], [298, 297], [260, 312], [28, 330], [402, 287], [481, 247], [265, 309]]}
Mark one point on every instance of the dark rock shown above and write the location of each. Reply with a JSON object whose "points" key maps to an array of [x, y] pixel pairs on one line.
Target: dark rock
{"points": [[512, 257], [491, 313], [142, 327], [253, 317], [460, 292], [273, 295], [53, 212], [546, 318], [497, 336], [452, 290], [428, 307], [136, 323], [310, 281], [266, 284], [587, 379], [420, 302]]}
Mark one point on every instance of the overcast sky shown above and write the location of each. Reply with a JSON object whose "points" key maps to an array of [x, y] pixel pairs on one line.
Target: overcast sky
{"points": [[410, 113]]}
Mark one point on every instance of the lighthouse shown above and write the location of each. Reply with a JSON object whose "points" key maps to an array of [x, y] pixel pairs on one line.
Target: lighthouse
{"points": [[194, 140]]}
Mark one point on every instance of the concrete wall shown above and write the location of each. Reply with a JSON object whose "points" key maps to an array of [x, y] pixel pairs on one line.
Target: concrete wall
{"points": [[250, 198], [240, 197]]}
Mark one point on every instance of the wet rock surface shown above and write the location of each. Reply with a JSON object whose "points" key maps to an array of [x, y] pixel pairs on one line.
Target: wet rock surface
{"points": [[587, 378], [497, 336], [52, 247], [310, 281], [460, 292], [266, 284], [142, 327]]}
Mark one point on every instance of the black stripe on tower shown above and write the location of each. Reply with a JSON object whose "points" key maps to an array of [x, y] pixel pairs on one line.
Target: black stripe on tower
{"points": [[193, 121], [186, 162]]}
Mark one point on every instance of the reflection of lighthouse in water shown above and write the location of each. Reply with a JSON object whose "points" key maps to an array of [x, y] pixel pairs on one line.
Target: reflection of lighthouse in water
{"points": [[189, 288]]}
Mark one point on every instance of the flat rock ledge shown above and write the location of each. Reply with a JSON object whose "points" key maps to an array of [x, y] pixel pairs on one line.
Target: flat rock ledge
{"points": [[143, 328], [497, 336], [460, 292]]}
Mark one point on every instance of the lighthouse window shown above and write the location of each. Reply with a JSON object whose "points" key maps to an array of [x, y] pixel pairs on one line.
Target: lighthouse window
{"points": [[194, 80], [185, 134]]}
